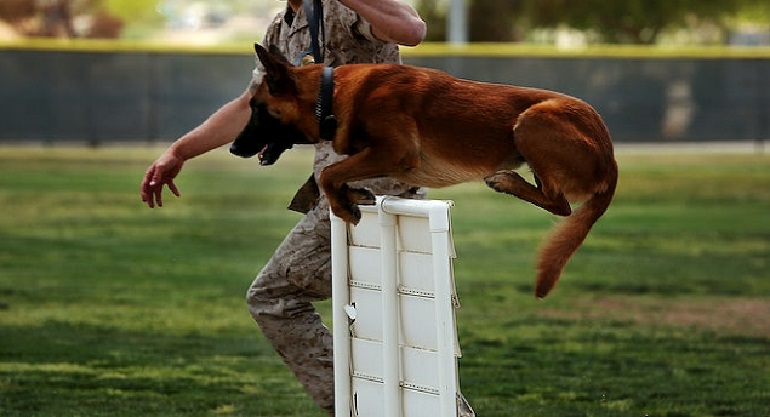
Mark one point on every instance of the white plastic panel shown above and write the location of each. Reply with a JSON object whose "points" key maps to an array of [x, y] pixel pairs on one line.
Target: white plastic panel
{"points": [[368, 306], [418, 318], [367, 357], [420, 368], [367, 232], [414, 234], [368, 398], [418, 323], [365, 265], [424, 367], [416, 270], [419, 404]]}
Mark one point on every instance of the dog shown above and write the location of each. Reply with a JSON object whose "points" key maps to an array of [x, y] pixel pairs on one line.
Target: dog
{"points": [[426, 128]]}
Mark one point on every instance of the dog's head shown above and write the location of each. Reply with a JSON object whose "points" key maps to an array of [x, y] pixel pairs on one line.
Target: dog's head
{"points": [[266, 134]]}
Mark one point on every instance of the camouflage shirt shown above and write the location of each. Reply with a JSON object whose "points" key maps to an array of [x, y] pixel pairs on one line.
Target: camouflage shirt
{"points": [[348, 39]]}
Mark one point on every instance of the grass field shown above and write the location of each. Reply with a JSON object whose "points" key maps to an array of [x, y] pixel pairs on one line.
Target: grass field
{"points": [[109, 308]]}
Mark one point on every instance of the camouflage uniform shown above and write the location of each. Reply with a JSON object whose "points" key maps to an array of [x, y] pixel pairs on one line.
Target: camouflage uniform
{"points": [[299, 272]]}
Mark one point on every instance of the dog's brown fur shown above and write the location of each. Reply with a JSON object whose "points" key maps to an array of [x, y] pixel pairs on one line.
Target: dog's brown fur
{"points": [[426, 128]]}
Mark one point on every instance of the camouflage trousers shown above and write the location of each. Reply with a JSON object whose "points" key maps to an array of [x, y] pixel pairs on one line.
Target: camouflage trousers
{"points": [[281, 301]]}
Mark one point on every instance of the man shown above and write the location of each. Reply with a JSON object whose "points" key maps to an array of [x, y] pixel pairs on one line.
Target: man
{"points": [[299, 273]]}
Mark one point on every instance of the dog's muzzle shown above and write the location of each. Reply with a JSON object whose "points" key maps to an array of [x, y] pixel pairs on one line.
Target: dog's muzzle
{"points": [[265, 136]]}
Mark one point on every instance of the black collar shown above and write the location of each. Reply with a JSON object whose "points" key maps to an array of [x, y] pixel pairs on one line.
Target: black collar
{"points": [[324, 106]]}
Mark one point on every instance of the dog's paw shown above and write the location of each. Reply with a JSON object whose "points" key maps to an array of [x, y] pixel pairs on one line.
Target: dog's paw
{"points": [[500, 182], [361, 196], [561, 208], [356, 214], [350, 213]]}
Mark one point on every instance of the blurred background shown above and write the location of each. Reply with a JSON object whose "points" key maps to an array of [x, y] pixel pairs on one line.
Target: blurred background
{"points": [[97, 71]]}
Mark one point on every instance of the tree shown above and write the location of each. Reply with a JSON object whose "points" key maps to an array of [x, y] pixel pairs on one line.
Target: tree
{"points": [[436, 19], [142, 12], [15, 10], [41, 18], [493, 20], [488, 20], [56, 19], [627, 21], [619, 21]]}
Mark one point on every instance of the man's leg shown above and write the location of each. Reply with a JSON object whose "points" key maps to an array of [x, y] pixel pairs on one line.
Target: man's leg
{"points": [[280, 300]]}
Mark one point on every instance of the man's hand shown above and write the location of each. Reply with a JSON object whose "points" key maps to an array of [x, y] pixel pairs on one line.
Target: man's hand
{"points": [[162, 171], [219, 129]]}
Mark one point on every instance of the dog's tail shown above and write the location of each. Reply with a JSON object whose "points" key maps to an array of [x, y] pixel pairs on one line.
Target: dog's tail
{"points": [[567, 238]]}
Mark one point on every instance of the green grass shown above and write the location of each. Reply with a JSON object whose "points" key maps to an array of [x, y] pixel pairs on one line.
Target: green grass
{"points": [[111, 308]]}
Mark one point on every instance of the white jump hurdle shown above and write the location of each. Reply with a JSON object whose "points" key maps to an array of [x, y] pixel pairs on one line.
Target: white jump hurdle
{"points": [[393, 300]]}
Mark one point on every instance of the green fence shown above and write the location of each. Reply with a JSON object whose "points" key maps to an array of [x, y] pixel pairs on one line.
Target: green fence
{"points": [[103, 91]]}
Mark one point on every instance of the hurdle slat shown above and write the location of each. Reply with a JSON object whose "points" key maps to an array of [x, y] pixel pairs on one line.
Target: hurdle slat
{"points": [[414, 333], [368, 399], [366, 233], [414, 235], [390, 314], [419, 365], [368, 306], [367, 355], [365, 265], [416, 272], [418, 323]]}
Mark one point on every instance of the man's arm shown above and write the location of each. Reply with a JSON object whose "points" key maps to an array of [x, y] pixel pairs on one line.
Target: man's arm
{"points": [[220, 128], [391, 20]]}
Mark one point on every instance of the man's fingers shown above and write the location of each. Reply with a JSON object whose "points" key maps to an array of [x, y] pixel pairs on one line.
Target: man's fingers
{"points": [[156, 177], [148, 189], [158, 195], [173, 188]]}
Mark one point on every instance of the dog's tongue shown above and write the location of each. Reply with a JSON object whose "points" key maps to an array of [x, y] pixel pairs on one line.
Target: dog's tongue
{"points": [[259, 155]]}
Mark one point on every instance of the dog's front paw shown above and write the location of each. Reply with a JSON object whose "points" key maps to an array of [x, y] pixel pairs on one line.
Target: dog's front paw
{"points": [[356, 214], [352, 214], [361, 196], [349, 212]]}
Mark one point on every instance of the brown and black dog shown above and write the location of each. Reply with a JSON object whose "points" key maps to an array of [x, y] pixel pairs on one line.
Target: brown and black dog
{"points": [[427, 128]]}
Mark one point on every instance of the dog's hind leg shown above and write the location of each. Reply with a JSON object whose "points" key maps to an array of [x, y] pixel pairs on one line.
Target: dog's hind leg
{"points": [[510, 182], [555, 138]]}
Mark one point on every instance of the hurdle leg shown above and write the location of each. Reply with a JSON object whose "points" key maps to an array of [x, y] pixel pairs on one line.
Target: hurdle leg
{"points": [[340, 298], [439, 229]]}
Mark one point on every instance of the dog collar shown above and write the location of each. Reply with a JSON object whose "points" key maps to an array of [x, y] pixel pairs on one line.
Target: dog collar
{"points": [[327, 121]]}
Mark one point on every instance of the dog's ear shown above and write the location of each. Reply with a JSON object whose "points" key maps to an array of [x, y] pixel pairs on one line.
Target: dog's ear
{"points": [[277, 54], [277, 71]]}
